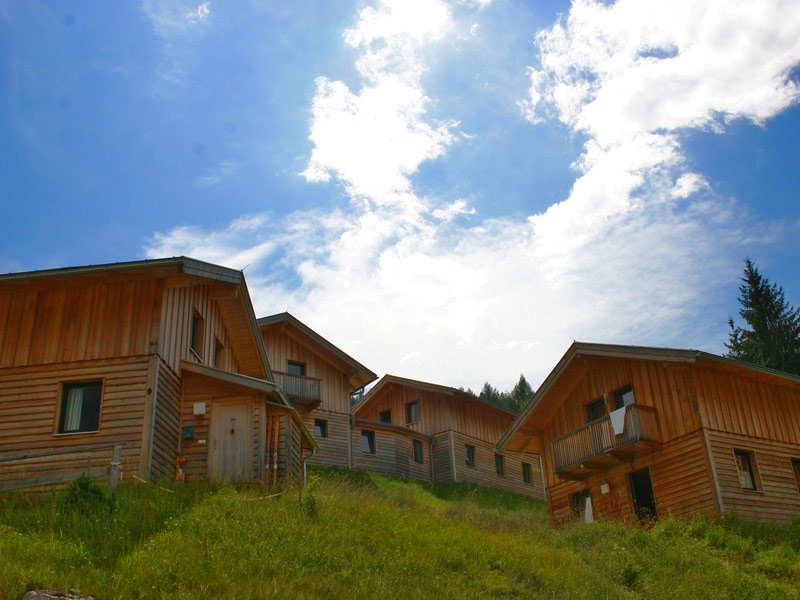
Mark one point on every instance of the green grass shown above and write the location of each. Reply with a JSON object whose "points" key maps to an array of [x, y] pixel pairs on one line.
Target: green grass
{"points": [[363, 535]]}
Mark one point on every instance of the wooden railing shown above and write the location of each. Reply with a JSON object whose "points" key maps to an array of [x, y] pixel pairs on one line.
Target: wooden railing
{"points": [[299, 386], [597, 437]]}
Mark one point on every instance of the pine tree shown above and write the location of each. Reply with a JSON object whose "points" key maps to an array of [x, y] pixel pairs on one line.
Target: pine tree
{"points": [[773, 337], [521, 394]]}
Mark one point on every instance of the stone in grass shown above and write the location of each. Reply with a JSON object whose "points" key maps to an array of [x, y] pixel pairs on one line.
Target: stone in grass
{"points": [[55, 595]]}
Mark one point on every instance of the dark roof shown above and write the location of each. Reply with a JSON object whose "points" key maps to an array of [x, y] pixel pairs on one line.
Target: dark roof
{"points": [[623, 351], [367, 375]]}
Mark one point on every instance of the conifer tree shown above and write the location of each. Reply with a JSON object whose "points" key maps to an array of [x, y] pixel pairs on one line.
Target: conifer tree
{"points": [[772, 336]]}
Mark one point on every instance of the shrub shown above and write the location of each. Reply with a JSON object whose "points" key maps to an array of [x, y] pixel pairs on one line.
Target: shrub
{"points": [[82, 495]]}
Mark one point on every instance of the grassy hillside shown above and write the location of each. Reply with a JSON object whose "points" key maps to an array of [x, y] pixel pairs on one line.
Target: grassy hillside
{"points": [[367, 536]]}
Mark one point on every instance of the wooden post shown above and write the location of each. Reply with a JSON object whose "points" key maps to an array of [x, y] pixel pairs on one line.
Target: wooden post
{"points": [[116, 468]]}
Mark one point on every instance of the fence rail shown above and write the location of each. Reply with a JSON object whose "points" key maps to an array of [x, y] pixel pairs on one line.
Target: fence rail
{"points": [[299, 386], [598, 437]]}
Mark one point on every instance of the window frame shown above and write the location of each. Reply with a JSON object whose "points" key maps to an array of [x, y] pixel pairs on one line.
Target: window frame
{"points": [[369, 435], [601, 401], [752, 469], [619, 396], [197, 335], [470, 459], [527, 473], [499, 465], [323, 427], [418, 451], [412, 407], [575, 498], [296, 363], [383, 413], [64, 388]]}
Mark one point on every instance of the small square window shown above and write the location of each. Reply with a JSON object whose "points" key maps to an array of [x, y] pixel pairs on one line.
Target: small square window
{"points": [[296, 368], [745, 465], [80, 407], [321, 428], [418, 457], [470, 455], [385, 416], [623, 397], [368, 442], [526, 472], [412, 412], [499, 464]]}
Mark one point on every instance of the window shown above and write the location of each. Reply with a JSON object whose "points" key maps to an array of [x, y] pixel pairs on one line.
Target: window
{"points": [[80, 407], [385, 416], [418, 458], [623, 397], [198, 331], [321, 428], [218, 349], [412, 412], [526, 472], [745, 466], [368, 442], [577, 502], [296, 368], [470, 452], [499, 464], [596, 409]]}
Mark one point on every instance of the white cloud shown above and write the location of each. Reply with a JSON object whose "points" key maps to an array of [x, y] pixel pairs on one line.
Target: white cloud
{"points": [[633, 255], [169, 16]]}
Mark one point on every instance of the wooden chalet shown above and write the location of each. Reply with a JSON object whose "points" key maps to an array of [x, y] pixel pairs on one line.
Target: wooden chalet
{"points": [[433, 433], [161, 356], [648, 432], [318, 379]]}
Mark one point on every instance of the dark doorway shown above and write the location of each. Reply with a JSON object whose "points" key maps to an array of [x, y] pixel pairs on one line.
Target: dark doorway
{"points": [[644, 502]]}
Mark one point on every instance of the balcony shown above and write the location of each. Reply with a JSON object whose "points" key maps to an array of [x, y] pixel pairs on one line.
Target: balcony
{"points": [[303, 391], [594, 447]]}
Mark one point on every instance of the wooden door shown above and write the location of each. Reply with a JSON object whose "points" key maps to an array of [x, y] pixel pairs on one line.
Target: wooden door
{"points": [[229, 446]]}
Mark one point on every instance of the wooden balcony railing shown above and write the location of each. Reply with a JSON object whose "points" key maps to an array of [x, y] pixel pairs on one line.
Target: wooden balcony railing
{"points": [[594, 445], [302, 390]]}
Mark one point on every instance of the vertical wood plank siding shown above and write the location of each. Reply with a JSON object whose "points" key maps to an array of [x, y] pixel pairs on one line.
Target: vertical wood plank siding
{"points": [[30, 399]]}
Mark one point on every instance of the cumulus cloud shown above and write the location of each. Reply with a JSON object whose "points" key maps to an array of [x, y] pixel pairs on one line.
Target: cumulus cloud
{"points": [[427, 287]]}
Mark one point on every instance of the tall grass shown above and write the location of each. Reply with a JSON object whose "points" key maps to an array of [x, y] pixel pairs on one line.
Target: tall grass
{"points": [[365, 535]]}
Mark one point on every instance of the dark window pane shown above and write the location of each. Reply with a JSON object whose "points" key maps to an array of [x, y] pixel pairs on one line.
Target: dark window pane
{"points": [[418, 451], [526, 472], [320, 428], [623, 397], [470, 452], [412, 412], [368, 442], [296, 368], [744, 465], [578, 503], [596, 409], [499, 464], [385, 416], [80, 407]]}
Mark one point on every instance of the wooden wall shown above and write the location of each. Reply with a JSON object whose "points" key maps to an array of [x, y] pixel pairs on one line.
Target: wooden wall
{"points": [[30, 398], [55, 322], [334, 450], [484, 473], [442, 457], [439, 412], [179, 306], [167, 423], [393, 454], [680, 475], [282, 348], [668, 387]]}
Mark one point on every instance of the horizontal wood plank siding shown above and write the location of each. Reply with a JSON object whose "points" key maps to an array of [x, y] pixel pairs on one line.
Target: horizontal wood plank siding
{"points": [[442, 458], [393, 455], [30, 400], [332, 449], [167, 426], [777, 497], [484, 473]]}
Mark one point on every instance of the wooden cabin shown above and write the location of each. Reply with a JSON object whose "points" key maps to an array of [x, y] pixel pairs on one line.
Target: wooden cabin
{"points": [[649, 432], [161, 356], [319, 379], [433, 433]]}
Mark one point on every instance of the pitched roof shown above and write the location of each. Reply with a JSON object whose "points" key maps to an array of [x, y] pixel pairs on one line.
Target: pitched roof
{"points": [[359, 374], [234, 306], [631, 352], [388, 380]]}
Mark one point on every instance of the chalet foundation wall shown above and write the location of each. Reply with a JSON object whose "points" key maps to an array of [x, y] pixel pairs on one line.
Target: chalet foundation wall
{"points": [[333, 448], [485, 474], [776, 497], [442, 457], [394, 455], [30, 399], [681, 485]]}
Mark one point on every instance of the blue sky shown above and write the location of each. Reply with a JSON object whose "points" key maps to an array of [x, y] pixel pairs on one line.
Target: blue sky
{"points": [[451, 191]]}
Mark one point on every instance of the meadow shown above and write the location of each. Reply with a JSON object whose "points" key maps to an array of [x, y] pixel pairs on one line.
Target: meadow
{"points": [[359, 535]]}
